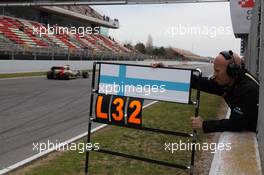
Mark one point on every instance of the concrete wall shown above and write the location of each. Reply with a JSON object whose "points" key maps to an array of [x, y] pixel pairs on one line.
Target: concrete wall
{"points": [[261, 99], [17, 66], [255, 63], [252, 51]]}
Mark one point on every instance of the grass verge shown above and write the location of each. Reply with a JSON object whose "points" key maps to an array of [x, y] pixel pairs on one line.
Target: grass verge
{"points": [[26, 74], [163, 115]]}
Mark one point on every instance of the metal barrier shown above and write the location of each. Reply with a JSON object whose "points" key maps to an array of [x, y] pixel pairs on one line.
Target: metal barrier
{"points": [[16, 51]]}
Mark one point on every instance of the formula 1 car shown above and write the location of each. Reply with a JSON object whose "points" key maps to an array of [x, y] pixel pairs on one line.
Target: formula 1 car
{"points": [[65, 73]]}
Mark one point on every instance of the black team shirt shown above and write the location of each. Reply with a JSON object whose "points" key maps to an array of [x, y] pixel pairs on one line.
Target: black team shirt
{"points": [[242, 98]]}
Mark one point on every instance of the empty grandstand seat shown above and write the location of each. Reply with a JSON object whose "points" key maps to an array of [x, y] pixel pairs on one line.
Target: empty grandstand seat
{"points": [[24, 32], [15, 31]]}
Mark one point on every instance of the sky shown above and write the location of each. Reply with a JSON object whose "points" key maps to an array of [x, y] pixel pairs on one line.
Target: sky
{"points": [[203, 28]]}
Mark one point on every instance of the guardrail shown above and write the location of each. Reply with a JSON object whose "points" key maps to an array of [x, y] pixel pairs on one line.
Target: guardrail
{"points": [[14, 51]]}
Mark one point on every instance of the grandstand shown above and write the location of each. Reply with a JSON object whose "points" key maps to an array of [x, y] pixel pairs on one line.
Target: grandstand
{"points": [[59, 33]]}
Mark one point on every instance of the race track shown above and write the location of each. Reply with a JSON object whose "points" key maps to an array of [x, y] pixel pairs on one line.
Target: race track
{"points": [[37, 110]]}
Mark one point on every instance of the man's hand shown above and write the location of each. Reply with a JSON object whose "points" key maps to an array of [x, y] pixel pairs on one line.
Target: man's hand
{"points": [[154, 65], [197, 122]]}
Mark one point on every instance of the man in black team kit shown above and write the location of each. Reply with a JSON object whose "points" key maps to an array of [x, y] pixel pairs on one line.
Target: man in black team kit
{"points": [[239, 89]]}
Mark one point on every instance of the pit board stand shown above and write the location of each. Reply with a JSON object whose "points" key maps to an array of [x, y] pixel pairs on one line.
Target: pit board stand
{"points": [[178, 90]]}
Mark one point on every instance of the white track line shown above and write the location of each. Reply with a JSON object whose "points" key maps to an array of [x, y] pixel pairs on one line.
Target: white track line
{"points": [[36, 156]]}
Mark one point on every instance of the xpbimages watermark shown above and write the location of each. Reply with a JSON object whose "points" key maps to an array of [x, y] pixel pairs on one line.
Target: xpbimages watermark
{"points": [[200, 30], [183, 146], [58, 146], [146, 89], [59, 30]]}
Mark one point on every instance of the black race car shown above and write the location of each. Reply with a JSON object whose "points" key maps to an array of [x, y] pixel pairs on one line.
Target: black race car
{"points": [[65, 73]]}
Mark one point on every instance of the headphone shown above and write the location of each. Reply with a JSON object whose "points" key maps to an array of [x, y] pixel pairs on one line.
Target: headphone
{"points": [[233, 68]]}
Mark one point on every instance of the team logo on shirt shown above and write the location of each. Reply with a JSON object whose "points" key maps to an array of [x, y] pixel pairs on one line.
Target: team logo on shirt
{"points": [[238, 110]]}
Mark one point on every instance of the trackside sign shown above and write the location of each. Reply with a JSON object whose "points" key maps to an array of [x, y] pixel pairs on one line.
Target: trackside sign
{"points": [[120, 91], [241, 13], [163, 84]]}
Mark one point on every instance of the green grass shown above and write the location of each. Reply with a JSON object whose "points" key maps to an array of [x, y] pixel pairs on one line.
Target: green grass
{"points": [[163, 115], [26, 74]]}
